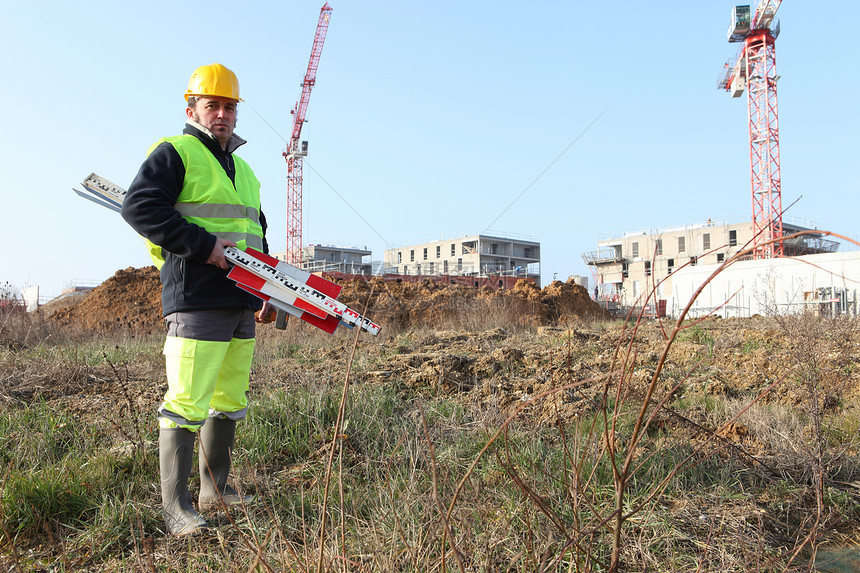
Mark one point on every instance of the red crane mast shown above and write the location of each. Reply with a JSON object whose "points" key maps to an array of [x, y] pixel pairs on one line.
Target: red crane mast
{"points": [[298, 149], [754, 69]]}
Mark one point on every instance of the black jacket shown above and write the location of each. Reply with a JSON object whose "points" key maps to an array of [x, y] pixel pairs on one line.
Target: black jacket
{"points": [[188, 283]]}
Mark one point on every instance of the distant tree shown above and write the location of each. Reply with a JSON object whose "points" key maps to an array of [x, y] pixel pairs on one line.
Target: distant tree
{"points": [[8, 291]]}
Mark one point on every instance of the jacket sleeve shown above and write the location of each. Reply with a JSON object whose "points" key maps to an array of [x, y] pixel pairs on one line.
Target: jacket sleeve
{"points": [[265, 226], [148, 207]]}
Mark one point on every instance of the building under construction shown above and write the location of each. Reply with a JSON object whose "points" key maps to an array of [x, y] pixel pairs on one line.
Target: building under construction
{"points": [[331, 259], [661, 270], [476, 260]]}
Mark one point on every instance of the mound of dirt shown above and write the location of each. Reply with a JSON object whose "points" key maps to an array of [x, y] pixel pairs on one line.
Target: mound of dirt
{"points": [[131, 300], [429, 303]]}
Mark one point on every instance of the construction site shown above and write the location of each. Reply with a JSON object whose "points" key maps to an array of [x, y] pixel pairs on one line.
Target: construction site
{"points": [[657, 270], [767, 265], [693, 404], [662, 269]]}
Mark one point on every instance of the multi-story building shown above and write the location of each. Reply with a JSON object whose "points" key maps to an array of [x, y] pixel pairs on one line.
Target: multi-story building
{"points": [[334, 259], [626, 267], [478, 256]]}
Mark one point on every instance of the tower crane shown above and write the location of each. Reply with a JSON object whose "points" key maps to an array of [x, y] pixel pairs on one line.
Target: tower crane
{"points": [[298, 149], [754, 69]]}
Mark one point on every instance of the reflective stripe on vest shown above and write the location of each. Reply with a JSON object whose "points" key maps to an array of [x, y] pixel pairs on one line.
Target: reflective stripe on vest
{"points": [[220, 211], [209, 199]]}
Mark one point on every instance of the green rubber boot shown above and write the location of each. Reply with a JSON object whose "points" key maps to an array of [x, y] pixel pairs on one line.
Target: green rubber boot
{"points": [[216, 445], [175, 455]]}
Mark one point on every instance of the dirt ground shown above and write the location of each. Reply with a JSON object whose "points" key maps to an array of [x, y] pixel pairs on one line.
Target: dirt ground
{"points": [[131, 300], [129, 304], [425, 347], [552, 362]]}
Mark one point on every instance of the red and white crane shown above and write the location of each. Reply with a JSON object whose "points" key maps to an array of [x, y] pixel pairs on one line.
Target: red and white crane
{"points": [[298, 149], [754, 69]]}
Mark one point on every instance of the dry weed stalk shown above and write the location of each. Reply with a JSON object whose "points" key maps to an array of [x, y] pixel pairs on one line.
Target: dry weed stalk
{"points": [[579, 534], [337, 445], [617, 383]]}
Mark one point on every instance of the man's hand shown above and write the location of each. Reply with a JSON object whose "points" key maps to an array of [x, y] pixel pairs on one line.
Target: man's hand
{"points": [[216, 257], [266, 314]]}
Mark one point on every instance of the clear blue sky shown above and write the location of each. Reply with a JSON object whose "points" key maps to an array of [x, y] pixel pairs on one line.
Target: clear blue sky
{"points": [[429, 119]]}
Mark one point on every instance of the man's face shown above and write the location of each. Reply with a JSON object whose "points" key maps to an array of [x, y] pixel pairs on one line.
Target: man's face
{"points": [[217, 114]]}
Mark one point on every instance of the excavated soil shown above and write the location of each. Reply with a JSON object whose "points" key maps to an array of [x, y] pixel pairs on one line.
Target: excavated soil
{"points": [[129, 304], [554, 361], [551, 337], [131, 301]]}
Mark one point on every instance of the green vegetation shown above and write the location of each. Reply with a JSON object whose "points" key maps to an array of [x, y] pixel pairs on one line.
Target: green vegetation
{"points": [[596, 463]]}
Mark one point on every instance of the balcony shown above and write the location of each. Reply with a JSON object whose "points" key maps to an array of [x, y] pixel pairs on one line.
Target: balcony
{"points": [[602, 256]]}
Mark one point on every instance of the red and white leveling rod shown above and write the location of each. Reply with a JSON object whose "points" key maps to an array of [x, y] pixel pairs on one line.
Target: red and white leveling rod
{"points": [[298, 293]]}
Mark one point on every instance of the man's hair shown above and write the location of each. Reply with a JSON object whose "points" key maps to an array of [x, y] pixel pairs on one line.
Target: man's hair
{"points": [[192, 103]]}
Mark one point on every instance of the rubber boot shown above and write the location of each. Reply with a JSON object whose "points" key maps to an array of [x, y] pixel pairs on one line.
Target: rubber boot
{"points": [[175, 454], [216, 446]]}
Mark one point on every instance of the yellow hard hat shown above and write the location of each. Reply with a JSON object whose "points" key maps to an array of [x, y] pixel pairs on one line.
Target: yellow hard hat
{"points": [[213, 80]]}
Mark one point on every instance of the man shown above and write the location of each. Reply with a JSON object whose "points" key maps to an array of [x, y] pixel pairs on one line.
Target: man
{"points": [[192, 198]]}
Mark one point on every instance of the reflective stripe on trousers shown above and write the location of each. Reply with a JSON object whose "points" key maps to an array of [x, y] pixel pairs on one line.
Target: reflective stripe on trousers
{"points": [[205, 379]]}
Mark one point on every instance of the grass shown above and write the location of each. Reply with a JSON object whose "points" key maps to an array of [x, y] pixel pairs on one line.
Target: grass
{"points": [[600, 464]]}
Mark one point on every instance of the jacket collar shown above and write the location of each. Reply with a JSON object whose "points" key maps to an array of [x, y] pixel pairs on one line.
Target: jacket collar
{"points": [[202, 133]]}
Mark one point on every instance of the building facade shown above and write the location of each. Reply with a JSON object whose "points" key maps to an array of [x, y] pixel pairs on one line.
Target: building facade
{"points": [[825, 284], [472, 256], [333, 259], [627, 267]]}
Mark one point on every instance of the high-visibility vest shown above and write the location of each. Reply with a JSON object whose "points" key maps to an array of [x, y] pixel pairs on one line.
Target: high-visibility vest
{"points": [[209, 199]]}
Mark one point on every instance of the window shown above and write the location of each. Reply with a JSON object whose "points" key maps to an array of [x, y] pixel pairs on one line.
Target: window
{"points": [[494, 248], [720, 257], [706, 242], [625, 270], [692, 261], [671, 264], [733, 238], [412, 255], [399, 257], [682, 244], [425, 253], [459, 265], [431, 269], [438, 251], [418, 269], [659, 249], [636, 290], [647, 268], [527, 252], [445, 267], [635, 248], [453, 249]]}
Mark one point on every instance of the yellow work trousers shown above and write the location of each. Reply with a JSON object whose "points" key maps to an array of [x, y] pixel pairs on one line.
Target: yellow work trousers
{"points": [[205, 379]]}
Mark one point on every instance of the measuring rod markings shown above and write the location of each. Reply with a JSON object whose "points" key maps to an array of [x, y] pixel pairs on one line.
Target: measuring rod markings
{"points": [[270, 273]]}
